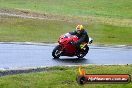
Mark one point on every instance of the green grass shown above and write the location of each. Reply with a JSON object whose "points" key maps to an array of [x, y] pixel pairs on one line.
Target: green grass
{"points": [[35, 30], [103, 8], [107, 22], [19, 29], [63, 77]]}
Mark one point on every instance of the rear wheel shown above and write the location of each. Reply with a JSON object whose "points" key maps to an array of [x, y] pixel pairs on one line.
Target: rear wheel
{"points": [[83, 52], [56, 53]]}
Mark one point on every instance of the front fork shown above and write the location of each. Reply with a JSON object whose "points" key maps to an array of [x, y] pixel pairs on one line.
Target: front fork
{"points": [[61, 50]]}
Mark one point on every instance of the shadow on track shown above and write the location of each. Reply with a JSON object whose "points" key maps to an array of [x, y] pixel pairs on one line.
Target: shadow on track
{"points": [[71, 60]]}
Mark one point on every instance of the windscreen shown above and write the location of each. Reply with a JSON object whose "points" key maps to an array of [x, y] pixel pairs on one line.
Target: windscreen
{"points": [[67, 35]]}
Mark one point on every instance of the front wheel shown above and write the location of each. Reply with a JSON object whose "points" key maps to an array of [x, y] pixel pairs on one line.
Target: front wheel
{"points": [[56, 53], [83, 52]]}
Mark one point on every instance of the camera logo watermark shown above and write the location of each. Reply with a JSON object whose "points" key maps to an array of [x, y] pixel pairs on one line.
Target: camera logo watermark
{"points": [[83, 78]]}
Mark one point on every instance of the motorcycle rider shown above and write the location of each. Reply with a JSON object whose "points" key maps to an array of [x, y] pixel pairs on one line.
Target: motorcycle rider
{"points": [[82, 35]]}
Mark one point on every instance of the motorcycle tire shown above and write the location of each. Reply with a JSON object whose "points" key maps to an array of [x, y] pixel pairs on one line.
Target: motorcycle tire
{"points": [[56, 52], [82, 54]]}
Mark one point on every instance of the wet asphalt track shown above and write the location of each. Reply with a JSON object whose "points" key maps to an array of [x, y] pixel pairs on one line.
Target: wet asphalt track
{"points": [[21, 56]]}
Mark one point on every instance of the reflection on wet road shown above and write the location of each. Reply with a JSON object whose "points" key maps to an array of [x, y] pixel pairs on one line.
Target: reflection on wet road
{"points": [[17, 56]]}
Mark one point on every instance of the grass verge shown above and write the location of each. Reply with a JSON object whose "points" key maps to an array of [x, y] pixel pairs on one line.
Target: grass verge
{"points": [[63, 77], [101, 8], [35, 30], [108, 22]]}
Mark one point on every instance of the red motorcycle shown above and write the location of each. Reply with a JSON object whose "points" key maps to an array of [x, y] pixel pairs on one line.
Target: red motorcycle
{"points": [[65, 48]]}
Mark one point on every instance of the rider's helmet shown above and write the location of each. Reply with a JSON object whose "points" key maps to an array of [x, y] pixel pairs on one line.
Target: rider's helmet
{"points": [[79, 28]]}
